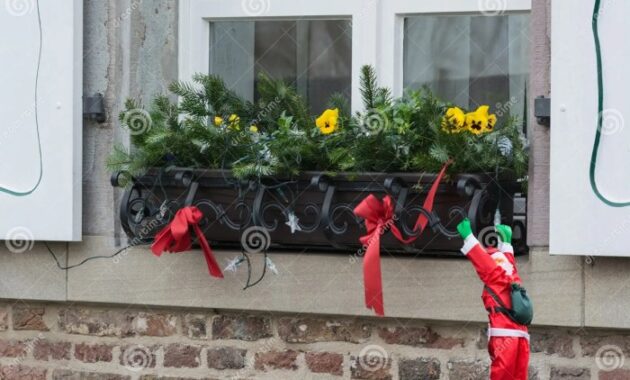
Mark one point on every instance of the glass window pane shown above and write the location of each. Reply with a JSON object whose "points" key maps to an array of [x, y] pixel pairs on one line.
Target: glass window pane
{"points": [[313, 55], [469, 59]]}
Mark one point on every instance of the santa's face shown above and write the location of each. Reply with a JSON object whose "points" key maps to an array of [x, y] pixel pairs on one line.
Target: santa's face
{"points": [[503, 262]]}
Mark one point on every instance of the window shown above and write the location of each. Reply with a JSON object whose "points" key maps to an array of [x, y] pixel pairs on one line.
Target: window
{"points": [[469, 59], [465, 53], [314, 55], [317, 45]]}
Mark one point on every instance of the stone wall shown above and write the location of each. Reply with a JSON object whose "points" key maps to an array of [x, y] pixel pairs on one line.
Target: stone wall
{"points": [[62, 341]]}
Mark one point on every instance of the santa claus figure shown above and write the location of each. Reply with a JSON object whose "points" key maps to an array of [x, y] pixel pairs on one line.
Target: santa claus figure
{"points": [[508, 340]]}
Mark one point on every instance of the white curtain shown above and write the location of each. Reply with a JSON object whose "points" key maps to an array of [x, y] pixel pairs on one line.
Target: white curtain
{"points": [[469, 60]]}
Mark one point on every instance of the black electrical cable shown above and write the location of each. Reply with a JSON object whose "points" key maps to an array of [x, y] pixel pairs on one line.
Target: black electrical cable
{"points": [[89, 258]]}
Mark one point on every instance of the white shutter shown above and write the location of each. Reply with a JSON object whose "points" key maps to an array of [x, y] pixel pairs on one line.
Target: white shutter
{"points": [[590, 211], [40, 119]]}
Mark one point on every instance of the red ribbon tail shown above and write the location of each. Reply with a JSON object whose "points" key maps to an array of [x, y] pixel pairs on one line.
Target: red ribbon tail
{"points": [[213, 265], [372, 276], [422, 221], [162, 241]]}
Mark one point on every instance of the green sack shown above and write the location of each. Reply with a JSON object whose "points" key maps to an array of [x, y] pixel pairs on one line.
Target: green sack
{"points": [[522, 311], [522, 308]]}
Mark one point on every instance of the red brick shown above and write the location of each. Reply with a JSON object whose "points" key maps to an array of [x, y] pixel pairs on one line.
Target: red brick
{"points": [[64, 374], [195, 326], [618, 374], [92, 353], [19, 372], [116, 323], [27, 317], [310, 330], [249, 328], [154, 324], [95, 322], [421, 368], [371, 367], [156, 377], [591, 344], [137, 357], [12, 348], [276, 360], [325, 362], [418, 337], [46, 350], [468, 370], [4, 319], [569, 373], [181, 355], [226, 358], [553, 343]]}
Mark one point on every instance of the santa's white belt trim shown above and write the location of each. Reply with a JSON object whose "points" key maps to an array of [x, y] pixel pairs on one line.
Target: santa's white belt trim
{"points": [[498, 332]]}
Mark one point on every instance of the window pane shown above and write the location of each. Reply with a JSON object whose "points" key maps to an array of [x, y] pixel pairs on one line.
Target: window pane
{"points": [[469, 60], [314, 55]]}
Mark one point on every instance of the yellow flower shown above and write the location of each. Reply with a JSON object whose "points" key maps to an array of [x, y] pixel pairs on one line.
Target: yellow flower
{"points": [[480, 121], [327, 121], [492, 120], [218, 121], [253, 129], [234, 121], [454, 120]]}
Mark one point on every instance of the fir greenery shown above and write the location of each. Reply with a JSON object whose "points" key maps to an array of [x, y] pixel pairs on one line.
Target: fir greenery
{"points": [[212, 127]]}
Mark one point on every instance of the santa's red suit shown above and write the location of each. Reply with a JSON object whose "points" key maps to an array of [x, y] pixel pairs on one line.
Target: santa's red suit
{"points": [[508, 341]]}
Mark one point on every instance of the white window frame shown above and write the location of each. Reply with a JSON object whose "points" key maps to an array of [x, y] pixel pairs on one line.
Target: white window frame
{"points": [[393, 13], [377, 28], [195, 17]]}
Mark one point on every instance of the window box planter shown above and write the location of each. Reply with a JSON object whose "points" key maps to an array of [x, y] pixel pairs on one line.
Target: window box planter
{"points": [[323, 205]]}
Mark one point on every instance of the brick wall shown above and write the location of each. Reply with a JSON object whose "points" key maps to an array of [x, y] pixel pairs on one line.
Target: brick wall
{"points": [[63, 341]]}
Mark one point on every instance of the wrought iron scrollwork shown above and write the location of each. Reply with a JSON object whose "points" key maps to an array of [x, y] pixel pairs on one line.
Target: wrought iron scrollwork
{"points": [[321, 206]]}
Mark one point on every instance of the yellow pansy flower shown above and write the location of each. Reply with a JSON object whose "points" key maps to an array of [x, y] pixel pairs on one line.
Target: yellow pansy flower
{"points": [[253, 129], [327, 121], [480, 121], [218, 121], [454, 120], [492, 120]]}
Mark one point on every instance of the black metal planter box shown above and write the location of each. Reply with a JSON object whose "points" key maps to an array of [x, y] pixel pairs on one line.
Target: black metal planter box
{"points": [[323, 206]]}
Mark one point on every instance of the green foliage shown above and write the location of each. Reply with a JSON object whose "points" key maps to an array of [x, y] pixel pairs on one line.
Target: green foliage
{"points": [[211, 127]]}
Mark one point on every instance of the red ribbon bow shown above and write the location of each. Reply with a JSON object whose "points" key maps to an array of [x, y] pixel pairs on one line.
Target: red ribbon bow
{"points": [[175, 237], [379, 218]]}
